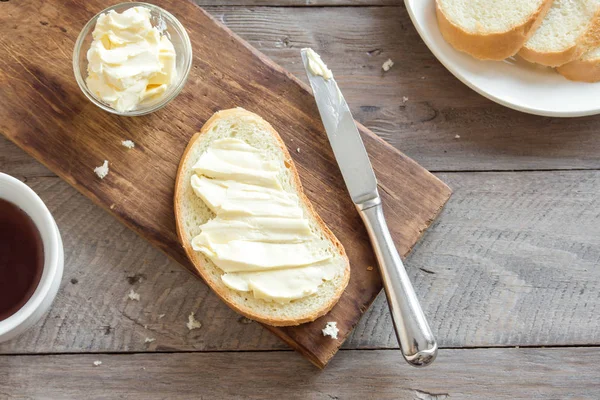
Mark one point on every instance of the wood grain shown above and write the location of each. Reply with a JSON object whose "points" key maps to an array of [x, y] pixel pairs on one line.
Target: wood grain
{"points": [[298, 3], [356, 41], [438, 108], [512, 261], [457, 374], [43, 111]]}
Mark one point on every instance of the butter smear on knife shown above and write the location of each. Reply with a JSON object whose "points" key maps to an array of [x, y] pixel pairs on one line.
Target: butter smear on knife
{"points": [[316, 66]]}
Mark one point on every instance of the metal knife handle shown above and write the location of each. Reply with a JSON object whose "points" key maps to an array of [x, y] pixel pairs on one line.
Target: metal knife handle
{"points": [[418, 344]]}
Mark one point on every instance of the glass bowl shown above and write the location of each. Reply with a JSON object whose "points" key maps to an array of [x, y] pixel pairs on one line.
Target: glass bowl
{"points": [[174, 31]]}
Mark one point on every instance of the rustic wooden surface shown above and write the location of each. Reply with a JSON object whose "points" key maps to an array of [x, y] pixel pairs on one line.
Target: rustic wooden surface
{"points": [[513, 260], [483, 374], [44, 112]]}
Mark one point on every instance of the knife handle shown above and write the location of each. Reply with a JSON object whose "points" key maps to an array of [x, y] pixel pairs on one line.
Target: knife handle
{"points": [[418, 344]]}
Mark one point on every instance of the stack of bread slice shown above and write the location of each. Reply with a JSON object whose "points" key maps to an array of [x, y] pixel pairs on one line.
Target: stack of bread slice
{"points": [[562, 34]]}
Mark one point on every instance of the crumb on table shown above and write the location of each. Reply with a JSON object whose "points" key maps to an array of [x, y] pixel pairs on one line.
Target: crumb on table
{"points": [[102, 170], [331, 330], [387, 65], [128, 143], [192, 322], [133, 295]]}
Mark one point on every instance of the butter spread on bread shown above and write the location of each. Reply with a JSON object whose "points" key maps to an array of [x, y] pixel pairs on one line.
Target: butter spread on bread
{"points": [[259, 237], [248, 228]]}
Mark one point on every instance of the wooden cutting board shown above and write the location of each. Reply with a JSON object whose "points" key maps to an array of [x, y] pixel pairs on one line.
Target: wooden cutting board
{"points": [[43, 111]]}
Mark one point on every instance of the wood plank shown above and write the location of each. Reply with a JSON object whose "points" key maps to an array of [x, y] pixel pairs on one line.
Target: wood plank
{"points": [[457, 374], [513, 260], [299, 3], [439, 107], [356, 41], [43, 111]]}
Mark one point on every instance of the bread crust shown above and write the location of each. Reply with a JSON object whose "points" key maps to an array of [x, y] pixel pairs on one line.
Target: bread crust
{"points": [[490, 46], [581, 70], [588, 40], [198, 261]]}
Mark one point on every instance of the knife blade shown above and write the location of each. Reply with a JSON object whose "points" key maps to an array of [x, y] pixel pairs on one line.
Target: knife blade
{"points": [[417, 342], [347, 145]]}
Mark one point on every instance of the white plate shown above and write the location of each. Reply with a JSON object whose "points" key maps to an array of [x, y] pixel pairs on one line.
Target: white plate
{"points": [[513, 83]]}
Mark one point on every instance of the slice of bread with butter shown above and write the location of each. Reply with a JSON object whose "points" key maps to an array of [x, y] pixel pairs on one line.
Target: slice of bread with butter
{"points": [[246, 225]]}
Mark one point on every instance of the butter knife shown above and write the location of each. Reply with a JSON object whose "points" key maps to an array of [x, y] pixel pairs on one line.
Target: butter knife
{"points": [[417, 342]]}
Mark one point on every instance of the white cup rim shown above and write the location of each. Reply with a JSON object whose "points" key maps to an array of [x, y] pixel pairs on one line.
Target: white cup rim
{"points": [[52, 244]]}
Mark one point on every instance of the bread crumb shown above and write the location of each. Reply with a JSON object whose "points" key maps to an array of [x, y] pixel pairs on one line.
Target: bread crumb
{"points": [[192, 322], [369, 268], [404, 99], [145, 326], [133, 295], [149, 340], [331, 330], [387, 65], [112, 206], [97, 363], [244, 320], [160, 316], [128, 143], [457, 137], [102, 170], [423, 78], [298, 149]]}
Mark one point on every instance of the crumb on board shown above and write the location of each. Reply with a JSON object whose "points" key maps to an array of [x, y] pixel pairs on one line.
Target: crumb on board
{"points": [[160, 316], [404, 99], [145, 326], [102, 170], [298, 149], [97, 363], [149, 340], [331, 330], [369, 268], [133, 295], [128, 143], [112, 206], [244, 320], [457, 137], [192, 322], [387, 65]]}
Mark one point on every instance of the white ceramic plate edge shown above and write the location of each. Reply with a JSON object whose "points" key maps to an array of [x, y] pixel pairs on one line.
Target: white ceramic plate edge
{"points": [[433, 47]]}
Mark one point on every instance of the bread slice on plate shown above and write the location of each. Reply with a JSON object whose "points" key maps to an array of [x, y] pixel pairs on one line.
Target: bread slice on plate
{"points": [[489, 29], [570, 29], [586, 69], [191, 212]]}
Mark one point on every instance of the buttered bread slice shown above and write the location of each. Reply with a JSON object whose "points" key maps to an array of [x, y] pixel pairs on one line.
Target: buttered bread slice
{"points": [[571, 28], [489, 29], [248, 228]]}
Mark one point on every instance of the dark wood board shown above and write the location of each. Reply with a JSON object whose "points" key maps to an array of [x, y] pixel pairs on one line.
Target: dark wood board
{"points": [[43, 111]]}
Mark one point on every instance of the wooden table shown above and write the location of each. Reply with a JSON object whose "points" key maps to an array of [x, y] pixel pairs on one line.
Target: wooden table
{"points": [[509, 274]]}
